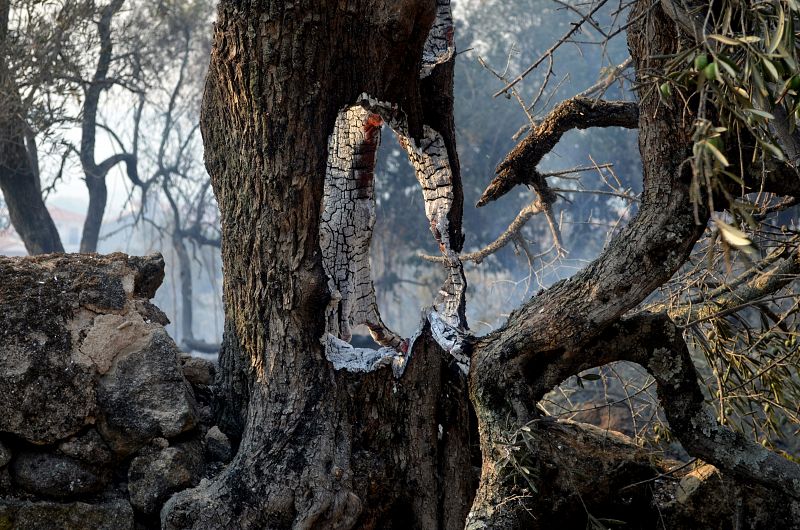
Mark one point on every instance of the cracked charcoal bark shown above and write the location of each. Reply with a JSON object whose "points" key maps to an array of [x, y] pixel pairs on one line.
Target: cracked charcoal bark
{"points": [[440, 46], [348, 218]]}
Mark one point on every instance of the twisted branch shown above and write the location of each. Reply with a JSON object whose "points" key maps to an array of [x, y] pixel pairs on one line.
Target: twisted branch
{"points": [[519, 167]]}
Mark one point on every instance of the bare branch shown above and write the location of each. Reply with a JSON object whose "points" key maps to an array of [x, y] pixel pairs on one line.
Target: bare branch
{"points": [[507, 236], [519, 167], [734, 297], [550, 51], [694, 423], [602, 85]]}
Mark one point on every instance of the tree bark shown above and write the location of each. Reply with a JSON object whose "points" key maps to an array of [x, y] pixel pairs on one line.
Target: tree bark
{"points": [[18, 178], [320, 448]]}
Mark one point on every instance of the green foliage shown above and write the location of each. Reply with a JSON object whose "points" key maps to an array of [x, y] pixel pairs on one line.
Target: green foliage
{"points": [[754, 379], [518, 462], [743, 78]]}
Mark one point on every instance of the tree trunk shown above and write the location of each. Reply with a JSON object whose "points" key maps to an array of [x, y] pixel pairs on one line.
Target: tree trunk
{"points": [[549, 338], [185, 275], [18, 178], [331, 438], [98, 197], [320, 448], [187, 340], [95, 174]]}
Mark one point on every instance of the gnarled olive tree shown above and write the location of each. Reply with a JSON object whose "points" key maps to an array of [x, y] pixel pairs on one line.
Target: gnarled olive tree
{"points": [[334, 436]]}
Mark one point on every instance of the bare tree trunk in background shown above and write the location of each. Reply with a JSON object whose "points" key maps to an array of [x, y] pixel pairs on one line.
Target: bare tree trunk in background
{"points": [[185, 273], [188, 341], [184, 270], [18, 178], [96, 173]]}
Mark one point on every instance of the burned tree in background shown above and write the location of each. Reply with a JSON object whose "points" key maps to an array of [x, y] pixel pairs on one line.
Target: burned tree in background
{"points": [[109, 93], [19, 166], [81, 80]]}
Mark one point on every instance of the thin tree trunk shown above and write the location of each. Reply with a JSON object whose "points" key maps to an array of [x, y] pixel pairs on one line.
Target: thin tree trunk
{"points": [[187, 340], [185, 275], [98, 197], [95, 173]]}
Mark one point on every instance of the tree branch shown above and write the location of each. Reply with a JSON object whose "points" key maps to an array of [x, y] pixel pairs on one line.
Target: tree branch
{"points": [[655, 342], [602, 85], [513, 229], [734, 297], [96, 173], [560, 322], [693, 18], [575, 27], [519, 167]]}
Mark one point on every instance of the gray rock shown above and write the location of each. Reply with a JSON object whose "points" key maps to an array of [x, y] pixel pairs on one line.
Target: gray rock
{"points": [[54, 475], [198, 371], [48, 304], [87, 447], [26, 515], [144, 395], [218, 447], [5, 455], [155, 475], [43, 395], [151, 313]]}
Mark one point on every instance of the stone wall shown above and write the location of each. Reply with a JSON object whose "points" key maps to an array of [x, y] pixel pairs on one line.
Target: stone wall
{"points": [[102, 419], [99, 424]]}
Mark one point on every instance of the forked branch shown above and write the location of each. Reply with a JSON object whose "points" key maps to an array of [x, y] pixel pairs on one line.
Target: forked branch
{"points": [[509, 234], [519, 167], [653, 341]]}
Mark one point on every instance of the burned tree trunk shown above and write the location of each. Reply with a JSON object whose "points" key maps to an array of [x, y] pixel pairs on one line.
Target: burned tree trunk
{"points": [[334, 436], [330, 437]]}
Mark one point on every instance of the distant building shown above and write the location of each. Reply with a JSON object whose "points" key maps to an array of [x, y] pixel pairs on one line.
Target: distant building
{"points": [[68, 223]]}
